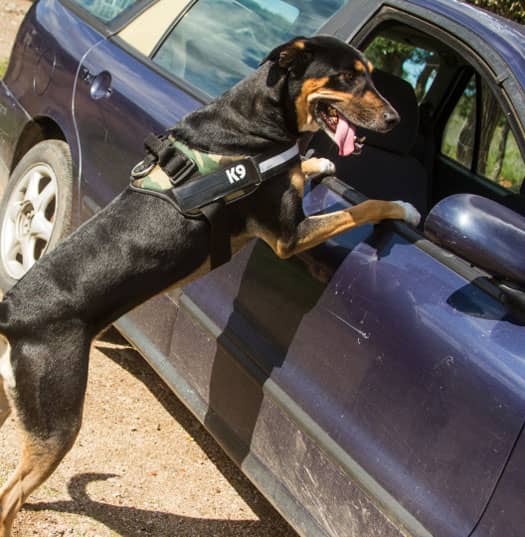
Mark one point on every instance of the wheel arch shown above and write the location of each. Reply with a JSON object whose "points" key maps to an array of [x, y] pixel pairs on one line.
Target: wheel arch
{"points": [[37, 130]]}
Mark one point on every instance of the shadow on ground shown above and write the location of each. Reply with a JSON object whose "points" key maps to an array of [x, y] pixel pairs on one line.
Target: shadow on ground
{"points": [[133, 522]]}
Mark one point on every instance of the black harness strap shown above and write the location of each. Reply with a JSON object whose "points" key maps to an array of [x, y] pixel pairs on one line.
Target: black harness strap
{"points": [[204, 196], [175, 164], [220, 244]]}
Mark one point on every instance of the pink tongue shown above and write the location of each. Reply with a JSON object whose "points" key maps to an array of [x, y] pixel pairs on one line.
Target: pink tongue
{"points": [[344, 136]]}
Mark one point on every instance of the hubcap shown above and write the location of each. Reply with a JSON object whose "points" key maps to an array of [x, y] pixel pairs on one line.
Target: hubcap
{"points": [[29, 220]]}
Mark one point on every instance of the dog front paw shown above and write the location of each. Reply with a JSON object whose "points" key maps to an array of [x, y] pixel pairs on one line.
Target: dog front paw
{"points": [[318, 165], [411, 214], [326, 166]]}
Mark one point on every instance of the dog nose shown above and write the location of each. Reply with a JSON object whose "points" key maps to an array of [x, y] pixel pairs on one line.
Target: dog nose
{"points": [[391, 118]]}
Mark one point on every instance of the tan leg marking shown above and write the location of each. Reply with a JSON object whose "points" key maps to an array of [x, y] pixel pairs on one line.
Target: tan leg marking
{"points": [[38, 460], [314, 230]]}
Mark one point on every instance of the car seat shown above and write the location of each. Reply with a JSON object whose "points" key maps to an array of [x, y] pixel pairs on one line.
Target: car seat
{"points": [[386, 168]]}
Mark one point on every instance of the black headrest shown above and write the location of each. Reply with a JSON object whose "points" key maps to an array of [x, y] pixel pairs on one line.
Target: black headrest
{"points": [[401, 96]]}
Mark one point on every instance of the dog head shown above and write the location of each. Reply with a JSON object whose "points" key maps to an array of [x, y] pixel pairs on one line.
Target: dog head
{"points": [[331, 87]]}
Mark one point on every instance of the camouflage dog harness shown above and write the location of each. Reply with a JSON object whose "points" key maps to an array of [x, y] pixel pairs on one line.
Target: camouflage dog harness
{"points": [[200, 184]]}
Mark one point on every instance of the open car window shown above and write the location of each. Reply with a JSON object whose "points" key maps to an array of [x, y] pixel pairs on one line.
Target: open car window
{"points": [[417, 64], [478, 137]]}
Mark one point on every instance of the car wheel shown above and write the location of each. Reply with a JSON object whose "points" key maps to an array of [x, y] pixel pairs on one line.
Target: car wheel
{"points": [[35, 212]]}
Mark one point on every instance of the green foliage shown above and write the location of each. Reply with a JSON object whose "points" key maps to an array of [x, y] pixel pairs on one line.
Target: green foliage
{"points": [[414, 64], [3, 67], [511, 9]]}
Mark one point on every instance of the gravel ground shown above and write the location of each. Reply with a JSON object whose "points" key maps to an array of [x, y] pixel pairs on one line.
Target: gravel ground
{"points": [[142, 465], [11, 14]]}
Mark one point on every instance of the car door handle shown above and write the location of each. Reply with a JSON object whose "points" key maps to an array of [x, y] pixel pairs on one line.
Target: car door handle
{"points": [[99, 85]]}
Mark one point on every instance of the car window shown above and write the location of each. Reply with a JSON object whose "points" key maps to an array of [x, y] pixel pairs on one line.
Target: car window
{"points": [[219, 42], [416, 64], [498, 157], [105, 10]]}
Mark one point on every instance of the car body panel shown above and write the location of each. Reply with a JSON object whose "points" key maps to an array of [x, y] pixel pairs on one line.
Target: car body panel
{"points": [[506, 507], [367, 386], [42, 72], [340, 352], [112, 129], [12, 120]]}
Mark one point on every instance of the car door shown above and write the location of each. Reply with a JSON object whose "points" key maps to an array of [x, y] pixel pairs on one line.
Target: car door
{"points": [[349, 383], [376, 358], [118, 101]]}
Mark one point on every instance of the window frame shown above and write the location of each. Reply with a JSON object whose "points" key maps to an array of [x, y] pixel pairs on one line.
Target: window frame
{"points": [[478, 56], [116, 25], [452, 101]]}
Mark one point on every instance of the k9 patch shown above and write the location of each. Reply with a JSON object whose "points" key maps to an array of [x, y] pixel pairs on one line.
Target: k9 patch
{"points": [[230, 182]]}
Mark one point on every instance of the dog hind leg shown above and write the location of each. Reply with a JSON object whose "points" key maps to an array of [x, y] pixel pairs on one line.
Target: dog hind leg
{"points": [[7, 379], [38, 460], [49, 418]]}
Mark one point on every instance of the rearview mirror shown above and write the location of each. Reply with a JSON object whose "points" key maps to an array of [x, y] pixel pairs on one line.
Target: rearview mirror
{"points": [[483, 232]]}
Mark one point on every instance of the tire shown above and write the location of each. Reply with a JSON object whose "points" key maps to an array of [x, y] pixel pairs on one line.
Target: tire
{"points": [[35, 211]]}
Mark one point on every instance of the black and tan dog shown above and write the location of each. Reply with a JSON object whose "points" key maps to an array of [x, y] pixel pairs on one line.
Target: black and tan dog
{"points": [[140, 245]]}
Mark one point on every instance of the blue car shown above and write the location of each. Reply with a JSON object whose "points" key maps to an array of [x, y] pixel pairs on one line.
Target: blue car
{"points": [[374, 385]]}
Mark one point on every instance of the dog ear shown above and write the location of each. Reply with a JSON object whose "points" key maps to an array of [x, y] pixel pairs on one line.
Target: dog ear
{"points": [[292, 56]]}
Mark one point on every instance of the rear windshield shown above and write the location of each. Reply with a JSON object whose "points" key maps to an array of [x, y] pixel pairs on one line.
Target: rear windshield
{"points": [[105, 10]]}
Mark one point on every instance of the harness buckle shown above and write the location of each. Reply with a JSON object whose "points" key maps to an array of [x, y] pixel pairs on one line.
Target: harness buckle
{"points": [[142, 169]]}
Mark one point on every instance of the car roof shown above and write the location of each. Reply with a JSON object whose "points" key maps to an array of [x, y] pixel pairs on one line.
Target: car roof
{"points": [[506, 37]]}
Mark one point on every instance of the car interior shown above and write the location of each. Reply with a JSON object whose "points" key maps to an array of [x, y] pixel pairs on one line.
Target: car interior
{"points": [[453, 137], [456, 133]]}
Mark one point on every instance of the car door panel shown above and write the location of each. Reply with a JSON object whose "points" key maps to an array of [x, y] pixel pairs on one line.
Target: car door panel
{"points": [[112, 128], [385, 358], [504, 513], [253, 420]]}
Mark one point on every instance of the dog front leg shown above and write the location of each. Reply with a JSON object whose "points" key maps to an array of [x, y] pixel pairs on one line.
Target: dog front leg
{"points": [[317, 165], [314, 230]]}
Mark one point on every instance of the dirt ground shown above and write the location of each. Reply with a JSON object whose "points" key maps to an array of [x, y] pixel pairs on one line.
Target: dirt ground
{"points": [[11, 14], [142, 465]]}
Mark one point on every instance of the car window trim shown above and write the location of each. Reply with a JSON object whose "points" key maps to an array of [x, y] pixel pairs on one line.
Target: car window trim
{"points": [[131, 14], [477, 126], [108, 29], [170, 28]]}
